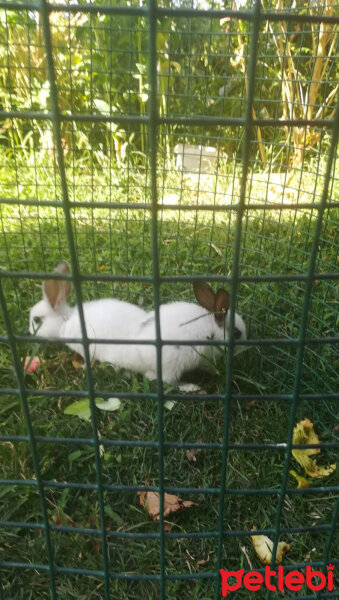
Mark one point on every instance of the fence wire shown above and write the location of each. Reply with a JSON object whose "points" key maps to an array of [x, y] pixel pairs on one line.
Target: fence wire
{"points": [[108, 113]]}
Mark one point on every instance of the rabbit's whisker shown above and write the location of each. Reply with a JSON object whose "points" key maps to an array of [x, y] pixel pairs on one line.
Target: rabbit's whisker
{"points": [[192, 320]]}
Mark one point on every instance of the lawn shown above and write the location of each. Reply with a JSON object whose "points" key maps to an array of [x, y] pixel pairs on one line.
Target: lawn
{"points": [[196, 233]]}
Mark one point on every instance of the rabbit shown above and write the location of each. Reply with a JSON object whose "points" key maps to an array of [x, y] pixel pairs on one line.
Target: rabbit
{"points": [[111, 319]]}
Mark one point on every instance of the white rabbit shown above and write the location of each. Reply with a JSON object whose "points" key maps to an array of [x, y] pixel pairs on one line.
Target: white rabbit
{"points": [[185, 321], [113, 319]]}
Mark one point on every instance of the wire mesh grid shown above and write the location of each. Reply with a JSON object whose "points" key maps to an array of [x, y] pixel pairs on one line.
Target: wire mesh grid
{"points": [[151, 145]]}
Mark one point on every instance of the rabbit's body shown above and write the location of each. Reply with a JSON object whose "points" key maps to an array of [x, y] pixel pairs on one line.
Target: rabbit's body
{"points": [[113, 319], [107, 319], [179, 322]]}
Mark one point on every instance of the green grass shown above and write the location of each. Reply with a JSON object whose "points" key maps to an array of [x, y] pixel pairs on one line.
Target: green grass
{"points": [[191, 242]]}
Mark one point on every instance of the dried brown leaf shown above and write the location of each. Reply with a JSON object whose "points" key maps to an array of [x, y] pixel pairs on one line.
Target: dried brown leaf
{"points": [[77, 361], [192, 453], [203, 561], [172, 504]]}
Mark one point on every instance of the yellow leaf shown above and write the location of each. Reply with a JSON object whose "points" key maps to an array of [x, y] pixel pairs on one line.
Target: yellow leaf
{"points": [[304, 433], [264, 546], [302, 482]]}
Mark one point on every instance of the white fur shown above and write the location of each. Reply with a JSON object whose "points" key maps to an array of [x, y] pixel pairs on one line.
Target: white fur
{"points": [[183, 321], [114, 319]]}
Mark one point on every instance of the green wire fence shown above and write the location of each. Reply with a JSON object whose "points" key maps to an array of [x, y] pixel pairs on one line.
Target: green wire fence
{"points": [[151, 145]]}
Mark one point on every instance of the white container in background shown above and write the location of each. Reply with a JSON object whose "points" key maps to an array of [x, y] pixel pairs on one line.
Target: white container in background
{"points": [[195, 159]]}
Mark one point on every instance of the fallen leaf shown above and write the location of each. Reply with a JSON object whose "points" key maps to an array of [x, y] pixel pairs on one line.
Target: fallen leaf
{"points": [[172, 503], [192, 454], [77, 361], [304, 433], [111, 404], [203, 561], [80, 408], [264, 546], [31, 364], [309, 554], [169, 404], [302, 482]]}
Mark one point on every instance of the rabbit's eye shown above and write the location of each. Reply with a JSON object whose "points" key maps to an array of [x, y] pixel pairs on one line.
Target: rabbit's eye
{"points": [[37, 320], [237, 333]]}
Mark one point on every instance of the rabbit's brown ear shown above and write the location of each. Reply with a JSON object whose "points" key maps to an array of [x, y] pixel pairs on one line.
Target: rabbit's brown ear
{"points": [[57, 290], [204, 294], [221, 306]]}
